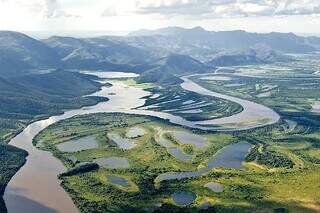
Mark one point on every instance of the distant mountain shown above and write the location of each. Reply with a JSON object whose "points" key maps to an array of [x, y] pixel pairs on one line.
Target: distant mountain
{"points": [[169, 31], [233, 59], [257, 55], [98, 53], [20, 54], [172, 50], [166, 69], [180, 64], [203, 45]]}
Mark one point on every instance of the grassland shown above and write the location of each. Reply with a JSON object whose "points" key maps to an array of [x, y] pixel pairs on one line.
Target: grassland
{"points": [[267, 185]]}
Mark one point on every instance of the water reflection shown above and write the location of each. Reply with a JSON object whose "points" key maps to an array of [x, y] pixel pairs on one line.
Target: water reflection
{"points": [[77, 145], [183, 198], [229, 157], [113, 162], [253, 114], [39, 175]]}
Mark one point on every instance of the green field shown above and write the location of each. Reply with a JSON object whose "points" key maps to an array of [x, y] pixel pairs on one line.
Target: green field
{"points": [[282, 173], [282, 169]]}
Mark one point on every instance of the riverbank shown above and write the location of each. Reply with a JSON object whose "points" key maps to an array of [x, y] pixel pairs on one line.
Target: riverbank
{"points": [[119, 101], [13, 124], [247, 186]]}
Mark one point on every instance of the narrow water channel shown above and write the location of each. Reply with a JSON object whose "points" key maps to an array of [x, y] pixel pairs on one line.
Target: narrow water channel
{"points": [[35, 187]]}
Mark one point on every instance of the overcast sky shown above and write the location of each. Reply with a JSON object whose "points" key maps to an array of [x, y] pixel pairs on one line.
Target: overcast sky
{"points": [[299, 16]]}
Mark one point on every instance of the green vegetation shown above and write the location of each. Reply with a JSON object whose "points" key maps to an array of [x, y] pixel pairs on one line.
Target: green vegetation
{"points": [[268, 158], [28, 98], [290, 88], [11, 159], [280, 174], [282, 169], [156, 76]]}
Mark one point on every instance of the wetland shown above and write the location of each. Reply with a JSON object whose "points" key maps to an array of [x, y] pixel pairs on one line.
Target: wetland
{"points": [[149, 146]]}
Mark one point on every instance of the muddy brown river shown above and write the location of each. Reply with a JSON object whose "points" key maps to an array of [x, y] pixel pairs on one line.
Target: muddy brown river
{"points": [[35, 188]]}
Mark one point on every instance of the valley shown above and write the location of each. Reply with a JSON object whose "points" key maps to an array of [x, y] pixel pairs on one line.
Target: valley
{"points": [[104, 169], [170, 120]]}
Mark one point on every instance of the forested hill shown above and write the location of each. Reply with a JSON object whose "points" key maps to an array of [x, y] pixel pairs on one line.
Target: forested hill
{"points": [[21, 54], [25, 98]]}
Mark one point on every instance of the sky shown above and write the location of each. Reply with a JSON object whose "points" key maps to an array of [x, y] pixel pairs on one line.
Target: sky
{"points": [[121, 16]]}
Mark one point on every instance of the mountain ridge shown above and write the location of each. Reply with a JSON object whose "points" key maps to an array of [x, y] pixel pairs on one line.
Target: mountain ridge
{"points": [[189, 50], [19, 52]]}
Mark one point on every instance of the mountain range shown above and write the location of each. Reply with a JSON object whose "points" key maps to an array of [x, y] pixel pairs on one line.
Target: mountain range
{"points": [[172, 50], [200, 41], [19, 52]]}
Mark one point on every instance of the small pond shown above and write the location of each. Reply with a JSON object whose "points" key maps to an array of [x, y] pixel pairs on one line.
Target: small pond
{"points": [[183, 198], [229, 157], [78, 144], [113, 162], [189, 138], [179, 154], [123, 143], [118, 180]]}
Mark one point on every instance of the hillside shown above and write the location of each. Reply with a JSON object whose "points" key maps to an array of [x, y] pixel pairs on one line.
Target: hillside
{"points": [[257, 55], [25, 98], [21, 54], [97, 53], [180, 64], [166, 69], [158, 76]]}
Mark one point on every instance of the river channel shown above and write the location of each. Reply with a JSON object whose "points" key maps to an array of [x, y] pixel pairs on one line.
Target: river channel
{"points": [[35, 187]]}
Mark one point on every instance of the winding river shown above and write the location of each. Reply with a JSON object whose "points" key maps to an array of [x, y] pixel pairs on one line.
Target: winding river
{"points": [[253, 114], [35, 187]]}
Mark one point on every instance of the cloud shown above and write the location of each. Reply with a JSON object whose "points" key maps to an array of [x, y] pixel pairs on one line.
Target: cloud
{"points": [[110, 11], [52, 9], [302, 7], [47, 8], [185, 7], [229, 8]]}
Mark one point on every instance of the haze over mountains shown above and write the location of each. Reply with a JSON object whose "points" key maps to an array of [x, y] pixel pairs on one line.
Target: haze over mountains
{"points": [[170, 50], [184, 40], [19, 52], [37, 68]]}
